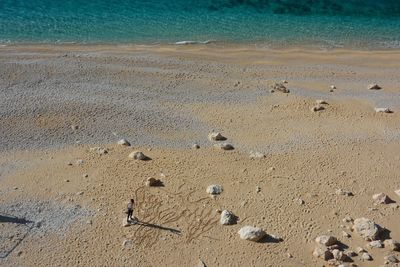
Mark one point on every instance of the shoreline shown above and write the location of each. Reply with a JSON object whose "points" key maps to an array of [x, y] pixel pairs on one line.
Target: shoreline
{"points": [[199, 44]]}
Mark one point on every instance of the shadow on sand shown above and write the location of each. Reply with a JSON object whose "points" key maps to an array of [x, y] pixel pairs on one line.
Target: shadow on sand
{"points": [[6, 218], [152, 225]]}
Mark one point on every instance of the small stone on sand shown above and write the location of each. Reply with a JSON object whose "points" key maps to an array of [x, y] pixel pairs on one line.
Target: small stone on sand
{"points": [[321, 102], [214, 189], [137, 155], [99, 150], [383, 110], [153, 182], [367, 229], [216, 137], [317, 108], [280, 87], [123, 142], [195, 146], [326, 240], [251, 233], [381, 198], [374, 86], [256, 155], [227, 218]]}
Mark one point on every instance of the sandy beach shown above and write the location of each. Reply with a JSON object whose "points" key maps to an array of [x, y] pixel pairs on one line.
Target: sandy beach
{"points": [[63, 200]]}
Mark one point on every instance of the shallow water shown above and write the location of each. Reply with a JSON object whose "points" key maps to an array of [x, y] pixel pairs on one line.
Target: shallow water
{"points": [[325, 23]]}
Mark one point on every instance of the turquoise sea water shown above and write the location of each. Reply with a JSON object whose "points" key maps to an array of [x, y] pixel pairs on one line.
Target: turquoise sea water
{"points": [[326, 23]]}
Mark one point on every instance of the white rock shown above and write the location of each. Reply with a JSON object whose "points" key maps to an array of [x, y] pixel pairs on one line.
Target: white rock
{"points": [[280, 87], [224, 146], [99, 150], [392, 244], [124, 142], [342, 192], [317, 108], [391, 259], [383, 110], [323, 253], [375, 244], [195, 146], [214, 189], [367, 229], [227, 218], [256, 155], [251, 233], [374, 86], [333, 87], [137, 155], [366, 257], [201, 264], [381, 198], [326, 240], [347, 219], [216, 137], [299, 201], [321, 102], [127, 243]]}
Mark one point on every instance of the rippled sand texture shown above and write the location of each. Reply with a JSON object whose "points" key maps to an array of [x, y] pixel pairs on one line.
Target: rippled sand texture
{"points": [[56, 102]]}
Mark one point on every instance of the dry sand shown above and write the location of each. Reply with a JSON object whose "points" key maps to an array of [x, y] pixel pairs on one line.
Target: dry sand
{"points": [[163, 100]]}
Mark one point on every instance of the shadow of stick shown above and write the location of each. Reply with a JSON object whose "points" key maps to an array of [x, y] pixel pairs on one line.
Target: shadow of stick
{"points": [[152, 225]]}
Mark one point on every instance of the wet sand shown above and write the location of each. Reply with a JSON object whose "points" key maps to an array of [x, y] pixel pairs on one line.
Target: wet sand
{"points": [[56, 102]]}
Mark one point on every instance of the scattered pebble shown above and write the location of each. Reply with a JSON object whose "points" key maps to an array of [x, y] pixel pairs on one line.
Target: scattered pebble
{"points": [[195, 146], [74, 127], [201, 264], [375, 244], [374, 86], [381, 198], [256, 155], [79, 161], [391, 259], [317, 108], [85, 175], [123, 142], [299, 201], [332, 87], [280, 87], [251, 233], [99, 150], [80, 193], [214, 189], [342, 192], [228, 218], [137, 155], [326, 240], [69, 163], [383, 110], [321, 102], [67, 181], [127, 242], [367, 229], [366, 257], [216, 137], [258, 189]]}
